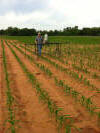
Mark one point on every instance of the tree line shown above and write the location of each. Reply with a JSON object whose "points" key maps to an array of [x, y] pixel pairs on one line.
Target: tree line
{"points": [[69, 31]]}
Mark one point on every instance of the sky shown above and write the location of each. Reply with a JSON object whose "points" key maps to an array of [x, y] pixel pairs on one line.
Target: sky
{"points": [[49, 14]]}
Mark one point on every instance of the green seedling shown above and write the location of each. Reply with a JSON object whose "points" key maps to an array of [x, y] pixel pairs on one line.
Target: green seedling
{"points": [[75, 94], [57, 112]]}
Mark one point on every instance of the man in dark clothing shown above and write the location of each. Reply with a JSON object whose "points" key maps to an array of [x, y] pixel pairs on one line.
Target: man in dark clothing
{"points": [[39, 43]]}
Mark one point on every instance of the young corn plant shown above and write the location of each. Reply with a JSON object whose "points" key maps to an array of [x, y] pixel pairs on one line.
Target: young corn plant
{"points": [[43, 68], [82, 100], [75, 94]]}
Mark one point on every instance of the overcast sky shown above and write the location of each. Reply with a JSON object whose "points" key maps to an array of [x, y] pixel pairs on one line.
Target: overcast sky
{"points": [[49, 14]]}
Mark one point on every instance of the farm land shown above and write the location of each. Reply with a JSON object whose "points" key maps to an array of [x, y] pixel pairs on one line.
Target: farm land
{"points": [[58, 92]]}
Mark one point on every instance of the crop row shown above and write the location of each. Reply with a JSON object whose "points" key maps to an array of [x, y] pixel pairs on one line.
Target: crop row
{"points": [[10, 99]]}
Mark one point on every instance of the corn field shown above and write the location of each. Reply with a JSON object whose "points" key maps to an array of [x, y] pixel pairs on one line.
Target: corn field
{"points": [[57, 92]]}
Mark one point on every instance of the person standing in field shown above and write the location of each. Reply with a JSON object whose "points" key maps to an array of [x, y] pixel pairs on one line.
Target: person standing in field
{"points": [[45, 38], [39, 43]]}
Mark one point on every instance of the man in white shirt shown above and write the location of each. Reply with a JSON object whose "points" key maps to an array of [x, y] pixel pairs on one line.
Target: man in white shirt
{"points": [[45, 38]]}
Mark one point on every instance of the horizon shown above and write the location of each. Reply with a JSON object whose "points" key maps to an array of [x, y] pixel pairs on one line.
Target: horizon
{"points": [[41, 29]]}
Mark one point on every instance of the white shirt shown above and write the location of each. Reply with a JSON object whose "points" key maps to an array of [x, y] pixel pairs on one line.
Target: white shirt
{"points": [[46, 37]]}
